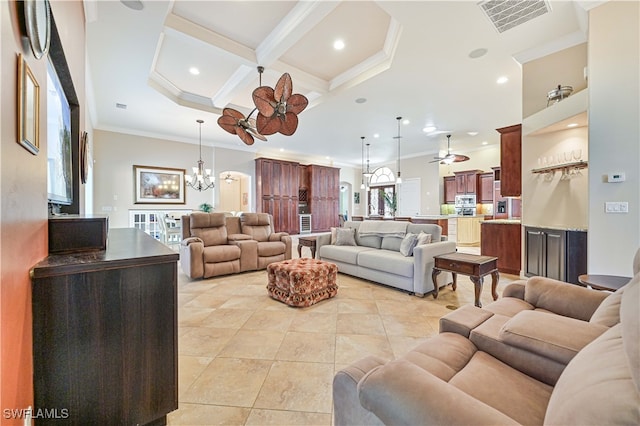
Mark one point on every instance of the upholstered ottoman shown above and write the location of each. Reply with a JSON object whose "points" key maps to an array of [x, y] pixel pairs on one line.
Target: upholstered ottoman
{"points": [[302, 282]]}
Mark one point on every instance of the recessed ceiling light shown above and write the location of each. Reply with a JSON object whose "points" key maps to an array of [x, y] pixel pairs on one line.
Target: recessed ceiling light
{"points": [[572, 125], [133, 4], [405, 121], [194, 71], [327, 157], [485, 143], [472, 133], [478, 53], [429, 129], [281, 149], [376, 135], [361, 100], [338, 44], [502, 80], [121, 106]]}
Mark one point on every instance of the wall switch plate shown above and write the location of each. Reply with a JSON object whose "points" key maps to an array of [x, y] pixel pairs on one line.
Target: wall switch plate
{"points": [[616, 177], [616, 207]]}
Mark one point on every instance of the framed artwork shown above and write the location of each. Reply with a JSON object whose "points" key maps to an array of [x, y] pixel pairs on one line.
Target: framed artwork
{"points": [[28, 108], [356, 198], [158, 185]]}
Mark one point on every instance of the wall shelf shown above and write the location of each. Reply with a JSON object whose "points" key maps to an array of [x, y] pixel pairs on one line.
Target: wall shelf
{"points": [[576, 165]]}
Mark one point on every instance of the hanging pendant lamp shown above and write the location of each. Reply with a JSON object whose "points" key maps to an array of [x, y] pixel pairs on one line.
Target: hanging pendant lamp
{"points": [[399, 179], [362, 162]]}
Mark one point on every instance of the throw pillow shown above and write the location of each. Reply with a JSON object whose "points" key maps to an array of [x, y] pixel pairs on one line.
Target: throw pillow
{"points": [[423, 238], [345, 237], [408, 243], [333, 235], [608, 313]]}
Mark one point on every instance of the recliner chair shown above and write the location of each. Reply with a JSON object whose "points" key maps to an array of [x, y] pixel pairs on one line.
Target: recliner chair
{"points": [[271, 246]]}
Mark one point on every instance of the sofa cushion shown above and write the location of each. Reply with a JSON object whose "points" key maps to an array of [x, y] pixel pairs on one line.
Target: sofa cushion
{"points": [[270, 248], [388, 261], [508, 306], [408, 243], [334, 232], [391, 243], [221, 253], [608, 313], [427, 228], [342, 254], [423, 238], [345, 237]]}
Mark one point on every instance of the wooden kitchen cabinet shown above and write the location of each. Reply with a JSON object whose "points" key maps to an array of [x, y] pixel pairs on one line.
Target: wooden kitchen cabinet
{"points": [[468, 232], [467, 182], [502, 240], [277, 185], [105, 332], [511, 160], [486, 188], [324, 197], [449, 189], [555, 253]]}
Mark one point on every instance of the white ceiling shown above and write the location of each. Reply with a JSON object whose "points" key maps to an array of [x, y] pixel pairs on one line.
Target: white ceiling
{"points": [[408, 59]]}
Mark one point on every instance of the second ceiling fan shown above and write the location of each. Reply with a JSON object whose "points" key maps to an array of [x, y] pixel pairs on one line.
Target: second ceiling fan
{"points": [[450, 158]]}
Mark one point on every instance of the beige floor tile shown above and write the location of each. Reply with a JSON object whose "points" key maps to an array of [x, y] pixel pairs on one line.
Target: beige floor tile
{"points": [[189, 368], [246, 302], [357, 306], [253, 344], [209, 415], [227, 318], [206, 300], [355, 293], [192, 316], [359, 324], [399, 307], [314, 322], [204, 341], [278, 418], [308, 347], [229, 381], [269, 320], [352, 347], [297, 386], [406, 325]]}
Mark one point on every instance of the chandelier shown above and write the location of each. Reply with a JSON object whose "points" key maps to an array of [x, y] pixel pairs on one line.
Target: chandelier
{"points": [[278, 110], [399, 179], [201, 178]]}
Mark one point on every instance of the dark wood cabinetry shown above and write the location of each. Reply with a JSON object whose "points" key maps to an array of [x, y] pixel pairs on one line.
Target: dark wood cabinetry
{"points": [[277, 185], [502, 240], [485, 184], [324, 197], [511, 160], [467, 181], [105, 332], [449, 189], [557, 254]]}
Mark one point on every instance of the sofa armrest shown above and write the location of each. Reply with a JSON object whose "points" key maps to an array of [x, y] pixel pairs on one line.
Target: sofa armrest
{"points": [[553, 336], [277, 236], [563, 298], [322, 240], [423, 265], [515, 289], [248, 254], [238, 237], [191, 257], [401, 393]]}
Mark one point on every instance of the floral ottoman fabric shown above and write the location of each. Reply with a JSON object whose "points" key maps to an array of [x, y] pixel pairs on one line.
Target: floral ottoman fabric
{"points": [[302, 282]]}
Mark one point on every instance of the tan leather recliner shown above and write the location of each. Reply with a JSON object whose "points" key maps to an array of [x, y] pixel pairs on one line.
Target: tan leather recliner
{"points": [[272, 246], [205, 250]]}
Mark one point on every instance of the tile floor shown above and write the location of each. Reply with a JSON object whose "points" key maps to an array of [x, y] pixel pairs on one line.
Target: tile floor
{"points": [[245, 358]]}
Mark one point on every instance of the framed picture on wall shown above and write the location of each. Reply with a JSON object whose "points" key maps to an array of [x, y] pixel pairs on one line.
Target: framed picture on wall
{"points": [[28, 108], [158, 185], [356, 198]]}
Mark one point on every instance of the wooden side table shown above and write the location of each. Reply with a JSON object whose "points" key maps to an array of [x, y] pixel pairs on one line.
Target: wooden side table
{"points": [[603, 282], [307, 242], [476, 267]]}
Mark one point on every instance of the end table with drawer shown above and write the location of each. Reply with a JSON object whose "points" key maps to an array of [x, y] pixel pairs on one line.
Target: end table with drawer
{"points": [[310, 242], [475, 266]]}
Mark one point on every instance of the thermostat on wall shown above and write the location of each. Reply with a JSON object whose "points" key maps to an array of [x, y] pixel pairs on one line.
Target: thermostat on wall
{"points": [[615, 177]]}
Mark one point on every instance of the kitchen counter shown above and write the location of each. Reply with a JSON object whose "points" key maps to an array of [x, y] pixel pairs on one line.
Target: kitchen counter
{"points": [[503, 222]]}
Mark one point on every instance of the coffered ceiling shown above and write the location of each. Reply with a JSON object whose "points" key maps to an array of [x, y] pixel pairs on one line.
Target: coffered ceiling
{"points": [[412, 59]]}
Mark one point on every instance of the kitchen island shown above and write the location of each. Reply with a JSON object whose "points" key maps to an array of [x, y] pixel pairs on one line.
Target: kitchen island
{"points": [[502, 238]]}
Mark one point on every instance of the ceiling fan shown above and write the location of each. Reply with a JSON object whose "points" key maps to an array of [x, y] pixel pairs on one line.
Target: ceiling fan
{"points": [[450, 158], [228, 178]]}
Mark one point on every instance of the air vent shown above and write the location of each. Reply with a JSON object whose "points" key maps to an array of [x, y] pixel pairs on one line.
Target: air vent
{"points": [[506, 14]]}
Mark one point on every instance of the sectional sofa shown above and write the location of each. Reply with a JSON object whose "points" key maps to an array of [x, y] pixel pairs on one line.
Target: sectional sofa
{"points": [[375, 254], [546, 353]]}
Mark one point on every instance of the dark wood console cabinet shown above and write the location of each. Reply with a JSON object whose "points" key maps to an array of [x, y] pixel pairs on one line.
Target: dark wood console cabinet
{"points": [[555, 253], [105, 332], [511, 160]]}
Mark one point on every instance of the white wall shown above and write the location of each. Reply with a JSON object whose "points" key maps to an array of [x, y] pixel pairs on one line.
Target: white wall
{"points": [[614, 134], [114, 156]]}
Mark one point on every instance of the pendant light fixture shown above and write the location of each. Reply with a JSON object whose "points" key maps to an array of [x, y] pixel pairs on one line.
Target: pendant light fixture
{"points": [[367, 174], [362, 162], [201, 179], [399, 179]]}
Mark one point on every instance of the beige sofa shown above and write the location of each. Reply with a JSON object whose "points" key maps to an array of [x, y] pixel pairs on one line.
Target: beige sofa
{"points": [[216, 244], [560, 354], [376, 256]]}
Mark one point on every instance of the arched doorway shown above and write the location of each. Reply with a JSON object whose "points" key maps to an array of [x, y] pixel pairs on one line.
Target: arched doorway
{"points": [[234, 188], [382, 186], [345, 207]]}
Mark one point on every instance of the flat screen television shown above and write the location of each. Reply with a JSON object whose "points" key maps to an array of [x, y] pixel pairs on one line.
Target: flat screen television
{"points": [[59, 155]]}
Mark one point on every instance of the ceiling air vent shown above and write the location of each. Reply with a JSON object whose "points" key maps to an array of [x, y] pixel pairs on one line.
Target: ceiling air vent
{"points": [[506, 14]]}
